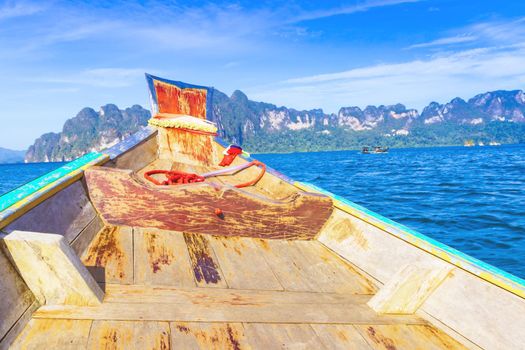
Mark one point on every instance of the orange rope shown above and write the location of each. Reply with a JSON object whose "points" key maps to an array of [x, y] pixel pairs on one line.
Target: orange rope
{"points": [[179, 177]]}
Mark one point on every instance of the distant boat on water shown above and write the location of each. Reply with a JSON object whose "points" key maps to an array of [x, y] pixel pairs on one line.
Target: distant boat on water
{"points": [[374, 150]]}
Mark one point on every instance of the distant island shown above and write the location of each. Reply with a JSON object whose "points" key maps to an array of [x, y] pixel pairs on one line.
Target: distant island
{"points": [[496, 117], [11, 156]]}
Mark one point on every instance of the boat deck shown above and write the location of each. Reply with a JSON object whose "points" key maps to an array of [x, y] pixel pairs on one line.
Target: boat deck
{"points": [[173, 290]]}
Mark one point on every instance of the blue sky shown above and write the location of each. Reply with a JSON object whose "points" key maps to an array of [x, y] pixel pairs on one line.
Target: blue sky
{"points": [[58, 57]]}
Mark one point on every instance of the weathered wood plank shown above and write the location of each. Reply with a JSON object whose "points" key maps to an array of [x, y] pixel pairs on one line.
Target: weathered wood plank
{"points": [[9, 338], [332, 274], [120, 293], [202, 311], [204, 263], [16, 297], [110, 255], [129, 335], [189, 335], [66, 213], [51, 269], [340, 336], [290, 269], [191, 208], [161, 258], [81, 243], [471, 306], [282, 336], [53, 334], [423, 337], [243, 265], [408, 289]]}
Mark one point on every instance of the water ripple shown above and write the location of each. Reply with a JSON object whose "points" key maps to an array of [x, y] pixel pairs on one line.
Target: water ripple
{"points": [[472, 199]]}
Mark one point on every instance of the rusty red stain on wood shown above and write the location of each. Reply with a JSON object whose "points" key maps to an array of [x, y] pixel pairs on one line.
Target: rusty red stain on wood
{"points": [[122, 200], [377, 338], [104, 248], [158, 255], [205, 268], [197, 147], [175, 100]]}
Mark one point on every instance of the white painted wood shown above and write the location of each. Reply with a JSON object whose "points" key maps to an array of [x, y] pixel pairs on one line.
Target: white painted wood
{"points": [[51, 269], [409, 288]]}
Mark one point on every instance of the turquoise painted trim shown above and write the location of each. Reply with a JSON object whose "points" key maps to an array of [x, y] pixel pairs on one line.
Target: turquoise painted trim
{"points": [[409, 234], [13, 201]]}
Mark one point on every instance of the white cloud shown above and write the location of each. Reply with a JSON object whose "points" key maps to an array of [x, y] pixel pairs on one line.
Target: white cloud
{"points": [[99, 77], [414, 83], [346, 10], [458, 39], [483, 33]]}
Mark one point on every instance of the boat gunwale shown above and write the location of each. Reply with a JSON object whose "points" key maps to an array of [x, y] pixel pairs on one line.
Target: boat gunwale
{"points": [[19, 201], [479, 268]]}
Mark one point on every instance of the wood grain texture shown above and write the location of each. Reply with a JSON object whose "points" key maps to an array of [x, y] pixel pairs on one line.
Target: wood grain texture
{"points": [[16, 297], [161, 258], [51, 269], [183, 146], [408, 289], [110, 255], [53, 334], [191, 208], [204, 263], [332, 273], [124, 335], [416, 337], [282, 336], [340, 336], [120, 293], [203, 307], [202, 335], [243, 264], [81, 242]]}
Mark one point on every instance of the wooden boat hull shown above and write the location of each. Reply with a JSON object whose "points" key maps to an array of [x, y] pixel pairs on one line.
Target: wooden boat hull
{"points": [[337, 276]]}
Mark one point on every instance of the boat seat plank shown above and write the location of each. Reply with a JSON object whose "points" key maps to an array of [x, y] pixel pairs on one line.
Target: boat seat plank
{"points": [[214, 305], [243, 265], [340, 337], [202, 335], [204, 263], [129, 335], [282, 336], [53, 334], [109, 257], [120, 293], [161, 258], [423, 337]]}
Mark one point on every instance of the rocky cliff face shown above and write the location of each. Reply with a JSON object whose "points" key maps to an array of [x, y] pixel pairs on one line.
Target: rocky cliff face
{"points": [[88, 131], [264, 127]]}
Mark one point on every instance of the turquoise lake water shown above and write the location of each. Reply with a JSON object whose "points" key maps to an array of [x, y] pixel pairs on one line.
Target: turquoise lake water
{"points": [[472, 199]]}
